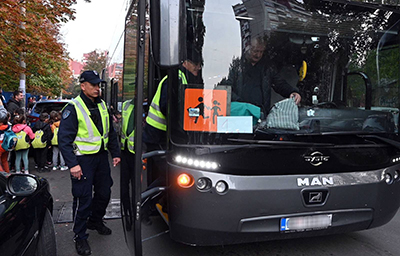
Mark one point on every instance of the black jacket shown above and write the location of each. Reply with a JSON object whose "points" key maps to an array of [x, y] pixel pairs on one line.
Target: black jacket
{"points": [[45, 127], [252, 84], [13, 105]]}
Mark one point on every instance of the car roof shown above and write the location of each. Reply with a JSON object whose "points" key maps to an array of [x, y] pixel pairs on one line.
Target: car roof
{"points": [[52, 101]]}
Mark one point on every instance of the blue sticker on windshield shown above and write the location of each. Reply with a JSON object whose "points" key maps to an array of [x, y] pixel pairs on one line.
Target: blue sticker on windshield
{"points": [[66, 114]]}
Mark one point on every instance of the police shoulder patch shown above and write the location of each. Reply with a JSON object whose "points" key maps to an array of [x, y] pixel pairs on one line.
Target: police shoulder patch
{"points": [[66, 114]]}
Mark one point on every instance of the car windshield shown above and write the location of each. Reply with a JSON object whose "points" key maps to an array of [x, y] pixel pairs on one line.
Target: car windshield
{"points": [[48, 107], [340, 57]]}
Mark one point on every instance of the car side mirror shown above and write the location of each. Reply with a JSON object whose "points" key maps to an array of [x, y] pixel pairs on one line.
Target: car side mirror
{"points": [[22, 185]]}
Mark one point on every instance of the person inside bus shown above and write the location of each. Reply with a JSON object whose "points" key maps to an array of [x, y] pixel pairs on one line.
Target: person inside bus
{"points": [[253, 79], [154, 133]]}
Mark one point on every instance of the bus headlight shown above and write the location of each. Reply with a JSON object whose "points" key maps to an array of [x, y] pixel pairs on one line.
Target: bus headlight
{"points": [[221, 187], [203, 184], [388, 178], [396, 175], [196, 162]]}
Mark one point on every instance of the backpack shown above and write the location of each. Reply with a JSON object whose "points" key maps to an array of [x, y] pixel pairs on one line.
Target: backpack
{"points": [[9, 140], [37, 141], [23, 141]]}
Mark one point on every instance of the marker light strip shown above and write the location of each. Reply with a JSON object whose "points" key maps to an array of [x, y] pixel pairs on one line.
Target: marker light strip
{"points": [[196, 162]]}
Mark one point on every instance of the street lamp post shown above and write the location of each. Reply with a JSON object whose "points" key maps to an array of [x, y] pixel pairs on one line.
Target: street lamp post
{"points": [[22, 64]]}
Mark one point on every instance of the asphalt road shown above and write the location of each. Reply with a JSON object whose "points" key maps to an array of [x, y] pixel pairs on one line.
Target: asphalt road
{"points": [[379, 241]]}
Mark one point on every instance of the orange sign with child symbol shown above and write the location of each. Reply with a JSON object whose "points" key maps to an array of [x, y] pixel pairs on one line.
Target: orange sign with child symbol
{"points": [[202, 108]]}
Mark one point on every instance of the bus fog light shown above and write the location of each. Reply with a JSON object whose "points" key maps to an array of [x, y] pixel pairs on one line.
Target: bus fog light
{"points": [[203, 183], [396, 175], [221, 187], [388, 178]]}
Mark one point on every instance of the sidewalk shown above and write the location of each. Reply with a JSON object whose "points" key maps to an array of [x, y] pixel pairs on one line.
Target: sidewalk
{"points": [[60, 188]]}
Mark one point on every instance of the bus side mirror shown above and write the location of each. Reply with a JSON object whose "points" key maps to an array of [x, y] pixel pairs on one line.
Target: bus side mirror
{"points": [[167, 32]]}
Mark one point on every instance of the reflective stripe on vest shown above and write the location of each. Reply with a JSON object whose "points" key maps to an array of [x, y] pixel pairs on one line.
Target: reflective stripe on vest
{"points": [[88, 139], [127, 109], [155, 117]]}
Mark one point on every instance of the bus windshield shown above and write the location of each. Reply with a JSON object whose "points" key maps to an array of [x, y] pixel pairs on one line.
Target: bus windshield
{"points": [[266, 70]]}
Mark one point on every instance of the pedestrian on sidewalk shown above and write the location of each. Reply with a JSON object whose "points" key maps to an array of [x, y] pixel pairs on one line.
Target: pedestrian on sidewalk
{"points": [[25, 135], [85, 135], [55, 116]]}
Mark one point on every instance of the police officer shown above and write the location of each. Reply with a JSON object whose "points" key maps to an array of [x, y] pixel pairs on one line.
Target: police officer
{"points": [[85, 135]]}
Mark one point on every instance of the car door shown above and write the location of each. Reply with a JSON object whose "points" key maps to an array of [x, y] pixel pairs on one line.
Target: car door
{"points": [[18, 222]]}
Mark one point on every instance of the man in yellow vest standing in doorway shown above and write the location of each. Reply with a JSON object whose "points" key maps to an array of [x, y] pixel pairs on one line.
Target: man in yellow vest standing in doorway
{"points": [[154, 133], [84, 136]]}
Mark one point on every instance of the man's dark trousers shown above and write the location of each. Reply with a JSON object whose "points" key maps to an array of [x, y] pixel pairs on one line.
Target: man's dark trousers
{"points": [[96, 172]]}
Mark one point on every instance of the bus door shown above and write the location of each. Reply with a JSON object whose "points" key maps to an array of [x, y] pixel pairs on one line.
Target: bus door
{"points": [[133, 80]]}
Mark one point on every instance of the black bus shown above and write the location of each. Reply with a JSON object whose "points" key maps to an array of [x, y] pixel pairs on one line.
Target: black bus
{"points": [[249, 164]]}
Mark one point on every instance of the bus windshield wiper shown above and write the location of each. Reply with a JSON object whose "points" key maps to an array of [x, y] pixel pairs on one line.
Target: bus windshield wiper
{"points": [[211, 149], [390, 142], [281, 142]]}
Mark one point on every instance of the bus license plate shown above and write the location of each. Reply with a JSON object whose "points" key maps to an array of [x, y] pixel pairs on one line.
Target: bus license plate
{"points": [[306, 222]]}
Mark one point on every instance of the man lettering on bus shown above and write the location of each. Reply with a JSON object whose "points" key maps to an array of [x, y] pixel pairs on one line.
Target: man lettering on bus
{"points": [[154, 133], [252, 80]]}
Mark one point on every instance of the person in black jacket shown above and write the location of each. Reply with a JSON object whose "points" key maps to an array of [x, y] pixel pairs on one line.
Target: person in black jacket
{"points": [[41, 153], [14, 103], [253, 79]]}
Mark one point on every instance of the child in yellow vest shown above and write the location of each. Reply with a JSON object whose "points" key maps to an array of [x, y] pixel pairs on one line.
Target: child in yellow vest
{"points": [[25, 135], [56, 117]]}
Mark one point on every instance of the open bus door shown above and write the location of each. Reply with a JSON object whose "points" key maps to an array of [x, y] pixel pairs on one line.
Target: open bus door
{"points": [[140, 79], [133, 77]]}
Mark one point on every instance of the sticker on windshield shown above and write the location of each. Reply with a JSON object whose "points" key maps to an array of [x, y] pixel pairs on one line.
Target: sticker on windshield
{"points": [[202, 109]]}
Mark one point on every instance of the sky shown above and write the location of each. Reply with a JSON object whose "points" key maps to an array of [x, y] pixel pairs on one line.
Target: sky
{"points": [[98, 25]]}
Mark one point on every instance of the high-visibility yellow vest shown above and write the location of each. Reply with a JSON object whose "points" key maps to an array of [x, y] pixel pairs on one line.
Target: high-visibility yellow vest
{"points": [[54, 140], [127, 109], [21, 143], [155, 118], [88, 140]]}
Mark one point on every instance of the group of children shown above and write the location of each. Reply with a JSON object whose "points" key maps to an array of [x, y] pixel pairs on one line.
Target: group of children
{"points": [[42, 137]]}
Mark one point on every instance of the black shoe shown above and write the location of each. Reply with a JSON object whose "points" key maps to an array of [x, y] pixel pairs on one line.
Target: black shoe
{"points": [[41, 170], [99, 226], [82, 247]]}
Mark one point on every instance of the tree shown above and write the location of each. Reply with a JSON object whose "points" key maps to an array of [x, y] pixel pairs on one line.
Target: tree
{"points": [[96, 60], [33, 28]]}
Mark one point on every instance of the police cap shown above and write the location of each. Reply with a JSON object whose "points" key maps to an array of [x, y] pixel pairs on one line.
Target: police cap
{"points": [[90, 76]]}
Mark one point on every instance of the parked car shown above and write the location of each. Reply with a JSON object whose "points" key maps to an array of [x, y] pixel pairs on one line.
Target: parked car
{"points": [[44, 106], [26, 223]]}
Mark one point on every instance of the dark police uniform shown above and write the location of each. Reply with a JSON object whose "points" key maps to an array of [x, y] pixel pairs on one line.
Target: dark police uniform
{"points": [[95, 167]]}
